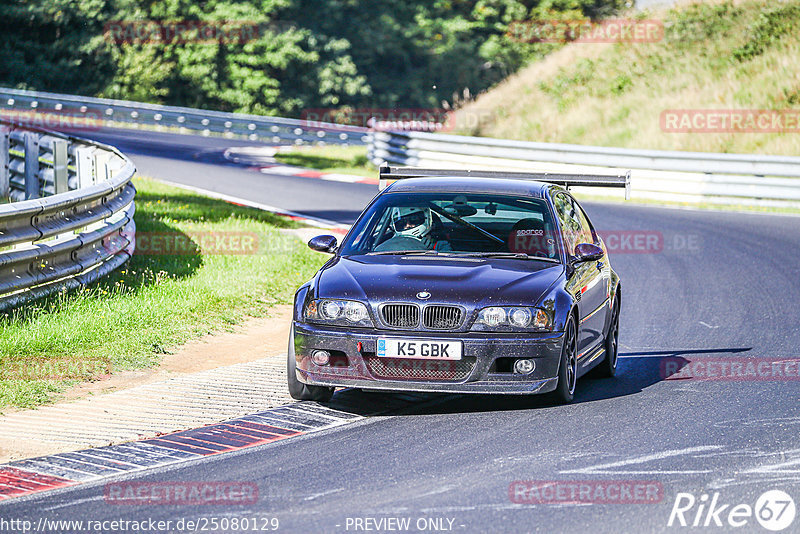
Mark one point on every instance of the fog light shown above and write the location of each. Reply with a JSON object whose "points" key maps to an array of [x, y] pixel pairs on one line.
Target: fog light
{"points": [[321, 357], [524, 367]]}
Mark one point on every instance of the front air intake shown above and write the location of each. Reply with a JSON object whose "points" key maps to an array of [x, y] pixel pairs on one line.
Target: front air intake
{"points": [[400, 315], [442, 317]]}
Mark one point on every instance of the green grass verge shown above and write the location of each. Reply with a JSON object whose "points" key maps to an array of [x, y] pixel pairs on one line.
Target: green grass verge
{"points": [[333, 159], [157, 301]]}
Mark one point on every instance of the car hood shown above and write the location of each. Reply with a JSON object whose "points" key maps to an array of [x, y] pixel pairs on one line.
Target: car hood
{"points": [[468, 282]]}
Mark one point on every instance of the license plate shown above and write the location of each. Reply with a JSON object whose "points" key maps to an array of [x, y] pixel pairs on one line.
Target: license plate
{"points": [[419, 349]]}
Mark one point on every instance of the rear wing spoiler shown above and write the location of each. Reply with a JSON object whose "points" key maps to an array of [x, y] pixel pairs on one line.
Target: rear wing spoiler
{"points": [[389, 175]]}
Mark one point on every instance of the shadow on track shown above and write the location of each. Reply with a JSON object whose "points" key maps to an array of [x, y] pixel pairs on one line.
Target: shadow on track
{"points": [[636, 371]]}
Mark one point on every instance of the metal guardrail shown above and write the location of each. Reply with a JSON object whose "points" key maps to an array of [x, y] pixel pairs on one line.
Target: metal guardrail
{"points": [[665, 175], [69, 215], [108, 112]]}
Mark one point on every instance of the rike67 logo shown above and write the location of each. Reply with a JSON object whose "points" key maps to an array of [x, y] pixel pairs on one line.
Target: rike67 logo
{"points": [[774, 510]]}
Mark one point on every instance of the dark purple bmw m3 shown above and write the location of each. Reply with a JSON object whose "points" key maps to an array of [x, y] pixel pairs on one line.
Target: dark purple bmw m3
{"points": [[462, 282]]}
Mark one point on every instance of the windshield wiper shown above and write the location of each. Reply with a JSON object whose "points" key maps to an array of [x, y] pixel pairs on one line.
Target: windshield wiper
{"points": [[510, 255], [402, 252]]}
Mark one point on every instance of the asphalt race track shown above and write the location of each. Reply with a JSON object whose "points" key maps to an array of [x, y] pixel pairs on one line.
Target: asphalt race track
{"points": [[707, 287], [199, 162]]}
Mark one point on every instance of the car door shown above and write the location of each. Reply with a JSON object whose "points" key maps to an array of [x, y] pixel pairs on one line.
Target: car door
{"points": [[589, 280]]}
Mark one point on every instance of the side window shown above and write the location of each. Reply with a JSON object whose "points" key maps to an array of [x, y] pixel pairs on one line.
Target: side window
{"points": [[588, 235], [575, 227], [568, 224]]}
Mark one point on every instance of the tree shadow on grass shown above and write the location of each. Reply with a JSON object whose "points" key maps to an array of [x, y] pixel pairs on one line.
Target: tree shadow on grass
{"points": [[141, 271], [162, 251], [144, 269]]}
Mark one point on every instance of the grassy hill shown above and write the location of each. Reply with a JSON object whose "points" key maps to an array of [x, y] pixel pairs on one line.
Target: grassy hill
{"points": [[714, 55]]}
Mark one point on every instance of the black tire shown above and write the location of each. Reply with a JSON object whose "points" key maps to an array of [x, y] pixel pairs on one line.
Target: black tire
{"points": [[297, 389], [568, 367], [608, 367]]}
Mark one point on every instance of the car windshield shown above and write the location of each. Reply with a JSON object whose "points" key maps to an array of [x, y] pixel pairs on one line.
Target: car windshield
{"points": [[456, 224]]}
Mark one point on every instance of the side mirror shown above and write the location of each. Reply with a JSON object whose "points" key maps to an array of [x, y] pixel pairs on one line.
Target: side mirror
{"points": [[587, 252], [323, 243]]}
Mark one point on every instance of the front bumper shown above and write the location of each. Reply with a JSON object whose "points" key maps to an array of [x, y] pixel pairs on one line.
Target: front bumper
{"points": [[477, 372]]}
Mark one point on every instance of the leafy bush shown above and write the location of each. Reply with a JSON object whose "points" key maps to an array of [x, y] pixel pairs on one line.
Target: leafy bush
{"points": [[768, 30], [309, 54]]}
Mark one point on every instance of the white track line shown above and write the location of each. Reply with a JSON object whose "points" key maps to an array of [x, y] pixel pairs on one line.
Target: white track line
{"points": [[608, 468]]}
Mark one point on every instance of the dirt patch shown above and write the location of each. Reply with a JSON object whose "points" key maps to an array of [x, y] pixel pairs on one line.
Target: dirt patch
{"points": [[254, 339]]}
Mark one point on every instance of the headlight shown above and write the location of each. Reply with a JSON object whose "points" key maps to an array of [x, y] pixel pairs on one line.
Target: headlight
{"points": [[330, 309], [492, 316], [341, 312], [355, 312], [520, 317], [512, 318]]}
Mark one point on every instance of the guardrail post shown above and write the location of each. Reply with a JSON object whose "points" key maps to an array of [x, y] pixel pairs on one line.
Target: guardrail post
{"points": [[84, 161], [101, 166], [4, 147], [60, 159], [31, 166]]}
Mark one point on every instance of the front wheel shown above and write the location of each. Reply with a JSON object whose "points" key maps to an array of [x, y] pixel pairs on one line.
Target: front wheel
{"points": [[608, 367], [297, 389], [568, 368]]}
